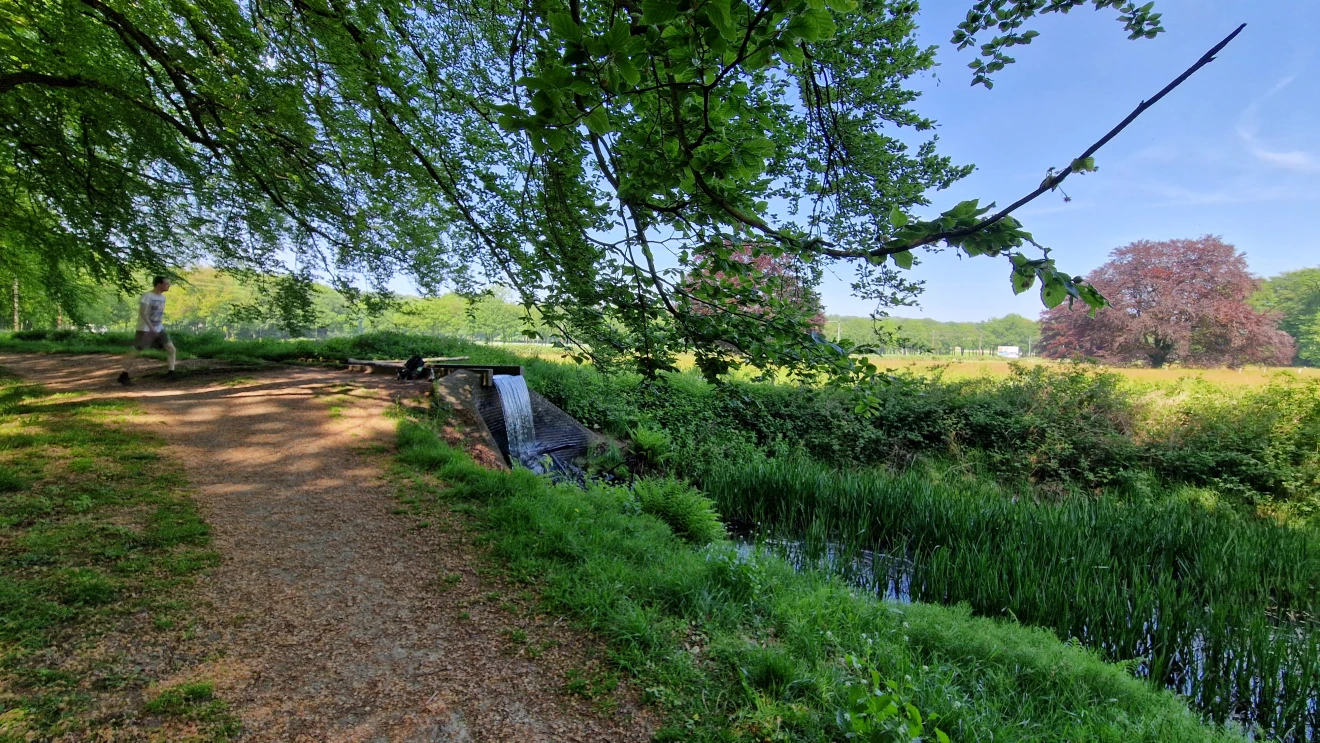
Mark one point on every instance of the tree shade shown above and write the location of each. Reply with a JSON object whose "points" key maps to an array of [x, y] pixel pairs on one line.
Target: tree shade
{"points": [[561, 148]]}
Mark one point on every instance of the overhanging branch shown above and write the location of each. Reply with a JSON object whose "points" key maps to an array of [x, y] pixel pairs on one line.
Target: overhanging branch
{"points": [[1049, 184]]}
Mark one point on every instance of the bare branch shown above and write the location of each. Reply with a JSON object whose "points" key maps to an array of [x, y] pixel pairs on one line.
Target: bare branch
{"points": [[1051, 183]]}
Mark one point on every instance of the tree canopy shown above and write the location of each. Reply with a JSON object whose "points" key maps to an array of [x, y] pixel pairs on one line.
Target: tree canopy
{"points": [[1180, 301], [1295, 296], [586, 153]]}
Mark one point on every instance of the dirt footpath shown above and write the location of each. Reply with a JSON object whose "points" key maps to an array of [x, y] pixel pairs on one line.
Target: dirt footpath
{"points": [[338, 619]]}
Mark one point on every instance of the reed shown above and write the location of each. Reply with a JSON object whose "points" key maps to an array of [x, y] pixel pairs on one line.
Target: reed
{"points": [[1221, 609]]}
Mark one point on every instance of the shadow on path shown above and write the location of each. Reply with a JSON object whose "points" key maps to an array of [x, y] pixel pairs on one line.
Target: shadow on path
{"points": [[325, 601]]}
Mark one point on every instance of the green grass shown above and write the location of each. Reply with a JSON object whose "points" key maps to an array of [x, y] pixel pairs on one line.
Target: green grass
{"points": [[1062, 434], [734, 648], [95, 528], [1149, 582], [194, 701]]}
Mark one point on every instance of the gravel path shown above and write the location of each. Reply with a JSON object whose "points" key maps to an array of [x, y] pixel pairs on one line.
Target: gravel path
{"points": [[340, 620]]}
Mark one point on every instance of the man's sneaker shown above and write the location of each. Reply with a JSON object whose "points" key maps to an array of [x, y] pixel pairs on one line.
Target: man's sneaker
{"points": [[124, 380], [171, 374]]}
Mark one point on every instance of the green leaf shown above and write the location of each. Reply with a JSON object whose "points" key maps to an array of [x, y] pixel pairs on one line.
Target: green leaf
{"points": [[617, 37], [628, 71], [1052, 293], [719, 14], [563, 26], [758, 58], [543, 102], [791, 53], [598, 121], [897, 217], [1084, 165], [656, 12], [903, 259], [1022, 281]]}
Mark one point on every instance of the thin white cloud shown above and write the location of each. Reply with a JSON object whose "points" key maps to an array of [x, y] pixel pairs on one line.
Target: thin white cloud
{"points": [[1169, 194], [1248, 130]]}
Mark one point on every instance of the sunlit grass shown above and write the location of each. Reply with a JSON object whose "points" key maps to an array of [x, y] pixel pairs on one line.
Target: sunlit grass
{"points": [[968, 367], [1222, 608], [96, 527], [735, 647]]}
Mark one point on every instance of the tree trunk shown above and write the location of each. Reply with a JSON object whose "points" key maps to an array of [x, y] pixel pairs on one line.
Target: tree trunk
{"points": [[16, 328]]}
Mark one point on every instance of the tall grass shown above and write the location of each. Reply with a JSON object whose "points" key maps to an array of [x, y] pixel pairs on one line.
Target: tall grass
{"points": [[732, 647], [1222, 609]]}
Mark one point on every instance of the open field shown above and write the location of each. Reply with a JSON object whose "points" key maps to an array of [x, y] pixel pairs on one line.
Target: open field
{"points": [[965, 367], [953, 367]]}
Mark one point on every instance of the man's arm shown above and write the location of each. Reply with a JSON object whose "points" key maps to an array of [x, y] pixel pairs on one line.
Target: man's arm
{"points": [[144, 314]]}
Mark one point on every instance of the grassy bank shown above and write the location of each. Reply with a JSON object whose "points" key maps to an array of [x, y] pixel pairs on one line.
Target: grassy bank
{"points": [[98, 539], [734, 647], [1221, 608]]}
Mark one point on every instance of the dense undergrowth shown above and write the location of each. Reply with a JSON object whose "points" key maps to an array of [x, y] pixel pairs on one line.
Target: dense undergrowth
{"points": [[1051, 430], [737, 646], [97, 535]]}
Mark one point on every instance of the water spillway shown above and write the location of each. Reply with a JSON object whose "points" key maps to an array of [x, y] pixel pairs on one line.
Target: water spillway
{"points": [[519, 425], [529, 429]]}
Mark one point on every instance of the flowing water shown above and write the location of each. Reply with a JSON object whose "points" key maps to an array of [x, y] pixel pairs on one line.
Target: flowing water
{"points": [[518, 424]]}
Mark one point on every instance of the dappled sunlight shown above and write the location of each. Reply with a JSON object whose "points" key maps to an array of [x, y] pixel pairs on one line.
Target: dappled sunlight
{"points": [[286, 427]]}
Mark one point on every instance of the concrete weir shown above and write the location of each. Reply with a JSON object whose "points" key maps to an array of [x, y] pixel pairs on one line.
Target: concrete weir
{"points": [[556, 434]]}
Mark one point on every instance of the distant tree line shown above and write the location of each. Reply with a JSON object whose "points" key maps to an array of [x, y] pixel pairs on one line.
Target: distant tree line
{"points": [[923, 335], [1295, 297], [206, 299], [1241, 325]]}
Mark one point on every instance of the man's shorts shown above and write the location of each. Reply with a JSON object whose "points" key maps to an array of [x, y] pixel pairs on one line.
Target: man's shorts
{"points": [[145, 339]]}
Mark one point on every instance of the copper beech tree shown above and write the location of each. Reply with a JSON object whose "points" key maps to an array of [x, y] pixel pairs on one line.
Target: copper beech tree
{"points": [[1183, 301]]}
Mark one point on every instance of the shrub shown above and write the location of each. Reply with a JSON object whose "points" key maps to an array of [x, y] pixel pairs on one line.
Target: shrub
{"points": [[688, 513], [1262, 444], [652, 446]]}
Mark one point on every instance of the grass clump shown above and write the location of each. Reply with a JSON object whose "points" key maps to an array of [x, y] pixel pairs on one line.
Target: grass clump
{"points": [[736, 646], [95, 528]]}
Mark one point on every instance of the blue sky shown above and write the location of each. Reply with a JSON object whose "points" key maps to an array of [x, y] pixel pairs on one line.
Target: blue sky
{"points": [[1234, 151]]}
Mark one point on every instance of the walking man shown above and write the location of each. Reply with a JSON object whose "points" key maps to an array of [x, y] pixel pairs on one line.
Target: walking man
{"points": [[150, 328]]}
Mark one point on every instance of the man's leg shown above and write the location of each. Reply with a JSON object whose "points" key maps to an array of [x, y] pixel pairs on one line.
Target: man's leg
{"points": [[170, 353], [130, 362]]}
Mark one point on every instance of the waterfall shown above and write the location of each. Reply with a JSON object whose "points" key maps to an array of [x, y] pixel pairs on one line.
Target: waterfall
{"points": [[517, 405]]}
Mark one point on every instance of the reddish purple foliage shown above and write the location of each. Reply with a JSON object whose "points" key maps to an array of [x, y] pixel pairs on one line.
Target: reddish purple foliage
{"points": [[1179, 301], [755, 301]]}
